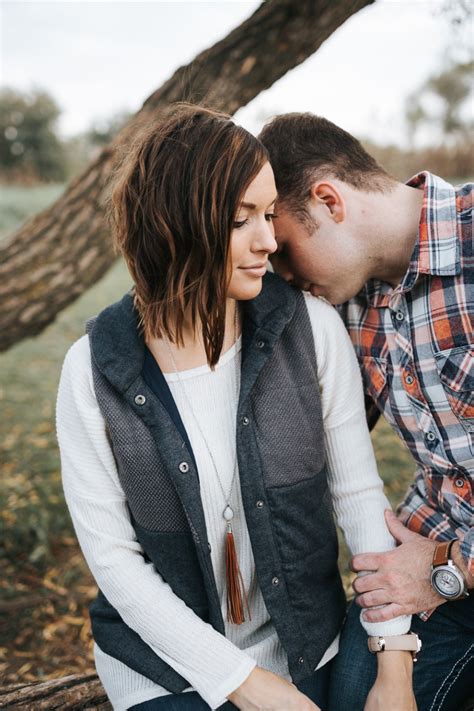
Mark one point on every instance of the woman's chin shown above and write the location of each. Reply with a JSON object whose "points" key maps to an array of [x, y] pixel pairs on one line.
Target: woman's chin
{"points": [[245, 292]]}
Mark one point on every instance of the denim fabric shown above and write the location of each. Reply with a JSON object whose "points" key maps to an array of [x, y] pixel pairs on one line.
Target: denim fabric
{"points": [[443, 676], [315, 687]]}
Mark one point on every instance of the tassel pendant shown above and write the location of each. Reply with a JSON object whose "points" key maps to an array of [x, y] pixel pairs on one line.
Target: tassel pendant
{"points": [[235, 585]]}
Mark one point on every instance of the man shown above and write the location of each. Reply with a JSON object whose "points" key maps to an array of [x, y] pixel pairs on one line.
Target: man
{"points": [[397, 261]]}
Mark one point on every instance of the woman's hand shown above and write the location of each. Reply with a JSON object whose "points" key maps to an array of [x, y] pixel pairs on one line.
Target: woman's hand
{"points": [[393, 688], [264, 690]]}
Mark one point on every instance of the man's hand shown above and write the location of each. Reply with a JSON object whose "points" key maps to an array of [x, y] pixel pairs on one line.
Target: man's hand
{"points": [[393, 689], [401, 577], [263, 690]]}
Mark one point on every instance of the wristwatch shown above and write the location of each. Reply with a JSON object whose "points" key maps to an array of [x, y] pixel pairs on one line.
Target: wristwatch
{"points": [[446, 578], [409, 642]]}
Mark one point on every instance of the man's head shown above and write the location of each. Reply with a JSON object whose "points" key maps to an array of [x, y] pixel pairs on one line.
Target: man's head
{"points": [[326, 183]]}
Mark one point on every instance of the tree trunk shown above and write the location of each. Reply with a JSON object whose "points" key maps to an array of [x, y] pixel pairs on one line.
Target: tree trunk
{"points": [[78, 691], [65, 249]]}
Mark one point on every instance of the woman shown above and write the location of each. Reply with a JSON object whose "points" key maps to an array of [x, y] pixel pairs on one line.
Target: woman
{"points": [[193, 421]]}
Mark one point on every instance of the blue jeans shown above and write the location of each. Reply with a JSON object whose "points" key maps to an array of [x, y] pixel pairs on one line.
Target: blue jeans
{"points": [[315, 687], [443, 676]]}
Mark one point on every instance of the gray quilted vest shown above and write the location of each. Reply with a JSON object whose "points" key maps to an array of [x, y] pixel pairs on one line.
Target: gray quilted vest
{"points": [[280, 449]]}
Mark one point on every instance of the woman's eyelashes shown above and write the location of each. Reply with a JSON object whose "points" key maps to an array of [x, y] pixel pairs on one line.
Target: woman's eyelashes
{"points": [[269, 217]]}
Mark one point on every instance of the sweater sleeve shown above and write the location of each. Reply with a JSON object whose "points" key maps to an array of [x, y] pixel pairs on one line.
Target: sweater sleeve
{"points": [[212, 665], [356, 488]]}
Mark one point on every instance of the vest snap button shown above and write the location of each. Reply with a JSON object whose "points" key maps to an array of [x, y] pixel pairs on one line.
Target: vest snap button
{"points": [[431, 436], [459, 483], [184, 467], [260, 504], [260, 344], [275, 580], [245, 421], [399, 315], [301, 660], [140, 399]]}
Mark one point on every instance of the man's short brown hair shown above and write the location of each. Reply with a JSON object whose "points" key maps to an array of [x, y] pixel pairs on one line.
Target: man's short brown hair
{"points": [[304, 148]]}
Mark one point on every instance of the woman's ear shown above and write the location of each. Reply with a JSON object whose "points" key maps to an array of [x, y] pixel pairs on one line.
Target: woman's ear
{"points": [[327, 194]]}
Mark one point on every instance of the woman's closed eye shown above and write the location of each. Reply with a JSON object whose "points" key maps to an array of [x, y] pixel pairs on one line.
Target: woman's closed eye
{"points": [[240, 223], [269, 217]]}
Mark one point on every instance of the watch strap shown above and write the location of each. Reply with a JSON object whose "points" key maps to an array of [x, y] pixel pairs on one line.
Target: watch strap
{"points": [[442, 552], [394, 643]]}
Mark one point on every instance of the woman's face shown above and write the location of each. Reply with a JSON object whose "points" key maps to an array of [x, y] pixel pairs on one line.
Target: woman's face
{"points": [[253, 237]]}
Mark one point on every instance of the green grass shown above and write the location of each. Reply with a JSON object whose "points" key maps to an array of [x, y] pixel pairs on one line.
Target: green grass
{"points": [[18, 203]]}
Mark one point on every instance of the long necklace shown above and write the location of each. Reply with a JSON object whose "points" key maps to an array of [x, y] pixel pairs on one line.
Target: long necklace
{"points": [[235, 588]]}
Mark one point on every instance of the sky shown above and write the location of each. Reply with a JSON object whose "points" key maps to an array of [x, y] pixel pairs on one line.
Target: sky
{"points": [[99, 58]]}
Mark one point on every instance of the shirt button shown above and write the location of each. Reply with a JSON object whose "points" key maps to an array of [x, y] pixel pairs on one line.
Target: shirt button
{"points": [[430, 436], [275, 580], [184, 467], [140, 399], [260, 504], [459, 482], [301, 660], [260, 344], [399, 315], [409, 379], [245, 421]]}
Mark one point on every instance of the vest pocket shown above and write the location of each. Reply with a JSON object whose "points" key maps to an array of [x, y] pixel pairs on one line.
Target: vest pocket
{"points": [[175, 559], [290, 435], [456, 372]]}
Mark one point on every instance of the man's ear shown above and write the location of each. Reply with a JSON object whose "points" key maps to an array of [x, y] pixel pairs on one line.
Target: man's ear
{"points": [[328, 194]]}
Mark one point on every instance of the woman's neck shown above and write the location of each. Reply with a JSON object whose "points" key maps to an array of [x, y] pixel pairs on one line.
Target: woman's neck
{"points": [[193, 354]]}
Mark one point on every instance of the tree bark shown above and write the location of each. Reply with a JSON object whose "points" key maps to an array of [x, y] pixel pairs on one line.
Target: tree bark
{"points": [[78, 691], [65, 249]]}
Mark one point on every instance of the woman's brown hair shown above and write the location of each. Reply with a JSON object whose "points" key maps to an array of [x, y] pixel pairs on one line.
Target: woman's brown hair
{"points": [[173, 206]]}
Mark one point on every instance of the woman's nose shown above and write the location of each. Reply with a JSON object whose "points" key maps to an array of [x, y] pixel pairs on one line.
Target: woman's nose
{"points": [[266, 239]]}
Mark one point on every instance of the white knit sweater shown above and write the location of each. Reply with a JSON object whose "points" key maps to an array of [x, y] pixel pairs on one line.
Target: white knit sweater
{"points": [[213, 665]]}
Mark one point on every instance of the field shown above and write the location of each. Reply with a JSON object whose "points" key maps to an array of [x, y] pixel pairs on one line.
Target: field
{"points": [[45, 586]]}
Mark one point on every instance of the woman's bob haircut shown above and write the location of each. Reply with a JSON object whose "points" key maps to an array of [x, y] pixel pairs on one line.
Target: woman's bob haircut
{"points": [[173, 204]]}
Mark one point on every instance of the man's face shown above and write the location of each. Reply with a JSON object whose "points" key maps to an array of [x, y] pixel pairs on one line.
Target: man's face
{"points": [[321, 257]]}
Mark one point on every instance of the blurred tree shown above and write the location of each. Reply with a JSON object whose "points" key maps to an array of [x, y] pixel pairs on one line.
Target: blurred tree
{"points": [[30, 150], [102, 132], [85, 147], [444, 102]]}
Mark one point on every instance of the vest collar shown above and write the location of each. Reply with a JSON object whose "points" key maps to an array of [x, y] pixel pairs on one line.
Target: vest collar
{"points": [[118, 347]]}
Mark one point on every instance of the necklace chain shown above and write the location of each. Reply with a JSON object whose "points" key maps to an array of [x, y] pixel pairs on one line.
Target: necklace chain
{"points": [[228, 512]]}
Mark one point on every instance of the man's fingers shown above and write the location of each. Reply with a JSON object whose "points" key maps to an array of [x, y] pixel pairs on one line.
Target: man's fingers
{"points": [[372, 599], [383, 614], [367, 583], [367, 561], [400, 532]]}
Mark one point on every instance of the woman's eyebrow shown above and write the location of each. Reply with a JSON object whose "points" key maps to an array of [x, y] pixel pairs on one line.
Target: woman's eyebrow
{"points": [[252, 206]]}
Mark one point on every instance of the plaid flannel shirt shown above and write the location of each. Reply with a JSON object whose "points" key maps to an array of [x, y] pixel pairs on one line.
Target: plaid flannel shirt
{"points": [[415, 348]]}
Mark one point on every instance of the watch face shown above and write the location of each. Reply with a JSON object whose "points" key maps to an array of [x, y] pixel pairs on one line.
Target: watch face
{"points": [[446, 583]]}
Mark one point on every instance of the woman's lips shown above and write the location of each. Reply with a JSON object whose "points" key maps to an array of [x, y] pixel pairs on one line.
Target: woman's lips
{"points": [[255, 270]]}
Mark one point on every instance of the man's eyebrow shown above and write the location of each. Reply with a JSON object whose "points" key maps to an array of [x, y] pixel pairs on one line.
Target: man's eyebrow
{"points": [[252, 206]]}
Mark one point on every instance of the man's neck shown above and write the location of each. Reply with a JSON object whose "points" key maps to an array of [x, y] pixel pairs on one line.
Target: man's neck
{"points": [[397, 215]]}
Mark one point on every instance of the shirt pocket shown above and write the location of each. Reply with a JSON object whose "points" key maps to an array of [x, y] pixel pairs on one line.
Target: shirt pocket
{"points": [[456, 372], [374, 375]]}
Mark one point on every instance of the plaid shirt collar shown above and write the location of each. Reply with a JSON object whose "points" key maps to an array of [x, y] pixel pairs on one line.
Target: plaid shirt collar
{"points": [[437, 249]]}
